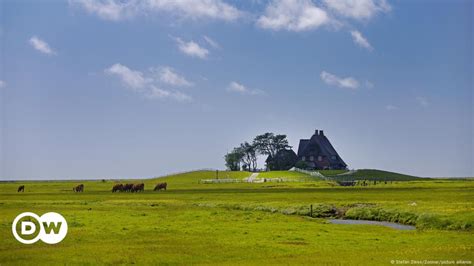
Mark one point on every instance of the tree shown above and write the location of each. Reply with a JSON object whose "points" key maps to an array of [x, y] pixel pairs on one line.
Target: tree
{"points": [[266, 144], [233, 159], [249, 157], [284, 159], [270, 144]]}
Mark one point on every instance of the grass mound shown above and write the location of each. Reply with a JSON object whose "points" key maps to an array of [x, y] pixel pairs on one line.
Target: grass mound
{"points": [[373, 174], [332, 172], [283, 174], [195, 176]]}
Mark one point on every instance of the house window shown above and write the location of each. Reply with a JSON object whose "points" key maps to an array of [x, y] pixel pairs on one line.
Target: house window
{"points": [[311, 158], [320, 158], [304, 158], [333, 157]]}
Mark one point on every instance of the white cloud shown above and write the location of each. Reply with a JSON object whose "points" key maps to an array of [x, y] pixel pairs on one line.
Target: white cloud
{"points": [[358, 9], [158, 93], [108, 9], [41, 46], [192, 49], [131, 78], [181, 97], [145, 84], [3, 84], [331, 79], [239, 88], [422, 101], [361, 40], [169, 76], [391, 107], [211, 42], [116, 10], [196, 9], [293, 15]]}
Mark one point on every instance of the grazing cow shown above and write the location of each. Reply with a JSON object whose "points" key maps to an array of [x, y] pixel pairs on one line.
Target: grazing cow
{"points": [[128, 187], [21, 189], [117, 187], [160, 186], [138, 188], [79, 188], [346, 183]]}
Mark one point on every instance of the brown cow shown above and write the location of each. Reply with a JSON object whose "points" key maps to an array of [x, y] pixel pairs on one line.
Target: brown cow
{"points": [[160, 186], [117, 187], [138, 188], [79, 188], [128, 187], [21, 189]]}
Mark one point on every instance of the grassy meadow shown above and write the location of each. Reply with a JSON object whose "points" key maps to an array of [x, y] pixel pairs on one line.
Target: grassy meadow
{"points": [[244, 223]]}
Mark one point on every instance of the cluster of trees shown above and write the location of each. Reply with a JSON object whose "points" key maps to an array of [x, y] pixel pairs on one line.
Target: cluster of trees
{"points": [[245, 156]]}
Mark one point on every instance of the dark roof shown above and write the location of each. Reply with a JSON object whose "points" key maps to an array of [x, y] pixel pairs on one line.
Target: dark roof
{"points": [[325, 147], [301, 147]]}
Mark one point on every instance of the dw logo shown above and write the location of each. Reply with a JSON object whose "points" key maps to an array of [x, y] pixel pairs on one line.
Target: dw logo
{"points": [[28, 228]]}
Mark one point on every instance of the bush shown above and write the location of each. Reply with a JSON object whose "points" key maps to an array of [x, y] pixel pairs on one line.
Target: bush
{"points": [[301, 165], [430, 221], [324, 211], [377, 214]]}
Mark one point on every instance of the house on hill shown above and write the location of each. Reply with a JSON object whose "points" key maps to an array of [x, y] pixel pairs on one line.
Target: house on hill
{"points": [[318, 153]]}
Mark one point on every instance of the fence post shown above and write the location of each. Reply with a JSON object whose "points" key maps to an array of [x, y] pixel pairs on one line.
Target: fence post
{"points": [[311, 210]]}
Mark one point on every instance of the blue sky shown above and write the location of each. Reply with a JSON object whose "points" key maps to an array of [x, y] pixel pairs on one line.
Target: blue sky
{"points": [[109, 89]]}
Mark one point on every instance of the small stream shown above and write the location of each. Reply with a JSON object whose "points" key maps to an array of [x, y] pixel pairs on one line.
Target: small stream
{"points": [[388, 224]]}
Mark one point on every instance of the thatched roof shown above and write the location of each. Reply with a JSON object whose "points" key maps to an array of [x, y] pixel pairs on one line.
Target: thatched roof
{"points": [[319, 145]]}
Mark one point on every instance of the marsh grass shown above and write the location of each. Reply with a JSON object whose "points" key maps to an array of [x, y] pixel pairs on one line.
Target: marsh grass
{"points": [[242, 223]]}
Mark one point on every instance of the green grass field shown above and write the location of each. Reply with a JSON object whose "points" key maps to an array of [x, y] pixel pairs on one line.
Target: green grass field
{"points": [[243, 223]]}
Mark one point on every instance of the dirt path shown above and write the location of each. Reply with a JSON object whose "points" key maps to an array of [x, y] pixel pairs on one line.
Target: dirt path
{"points": [[252, 177]]}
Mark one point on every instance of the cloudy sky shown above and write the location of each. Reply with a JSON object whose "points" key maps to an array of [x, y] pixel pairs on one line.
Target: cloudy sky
{"points": [[140, 88]]}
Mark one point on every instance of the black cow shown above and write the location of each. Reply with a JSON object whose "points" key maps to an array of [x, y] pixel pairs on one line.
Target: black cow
{"points": [[160, 186], [79, 188], [118, 187], [138, 188], [128, 187], [21, 189]]}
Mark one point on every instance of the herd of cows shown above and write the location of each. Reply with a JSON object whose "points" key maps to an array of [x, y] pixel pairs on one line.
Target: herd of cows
{"points": [[137, 187], [116, 188]]}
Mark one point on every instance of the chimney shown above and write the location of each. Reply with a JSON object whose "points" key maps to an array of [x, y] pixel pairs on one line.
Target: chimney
{"points": [[316, 132], [321, 133]]}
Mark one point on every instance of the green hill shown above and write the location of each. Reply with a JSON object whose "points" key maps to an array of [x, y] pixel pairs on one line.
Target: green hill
{"points": [[373, 174], [190, 179], [332, 172], [193, 177], [283, 174]]}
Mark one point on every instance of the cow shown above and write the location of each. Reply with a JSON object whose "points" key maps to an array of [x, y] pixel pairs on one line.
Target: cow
{"points": [[21, 189], [346, 183], [117, 187], [160, 186], [138, 187], [128, 187], [79, 188]]}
